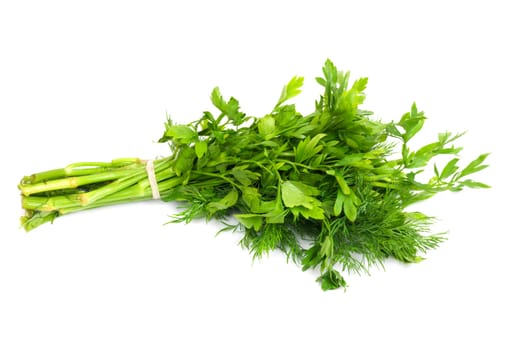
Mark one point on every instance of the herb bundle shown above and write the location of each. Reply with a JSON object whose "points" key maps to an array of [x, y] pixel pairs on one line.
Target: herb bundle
{"points": [[330, 189]]}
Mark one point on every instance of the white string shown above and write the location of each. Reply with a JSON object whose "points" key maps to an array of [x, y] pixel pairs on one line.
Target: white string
{"points": [[150, 170]]}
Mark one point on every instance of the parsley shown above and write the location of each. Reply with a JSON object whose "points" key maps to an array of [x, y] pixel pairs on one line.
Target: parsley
{"points": [[329, 189]]}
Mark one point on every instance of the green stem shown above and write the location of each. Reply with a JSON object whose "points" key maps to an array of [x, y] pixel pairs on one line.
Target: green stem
{"points": [[74, 181], [45, 200], [126, 196], [163, 166], [80, 169]]}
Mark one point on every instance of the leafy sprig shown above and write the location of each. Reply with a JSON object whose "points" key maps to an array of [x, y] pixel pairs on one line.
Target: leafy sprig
{"points": [[328, 189]]}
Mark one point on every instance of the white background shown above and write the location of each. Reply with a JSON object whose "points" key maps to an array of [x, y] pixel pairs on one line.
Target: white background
{"points": [[93, 80]]}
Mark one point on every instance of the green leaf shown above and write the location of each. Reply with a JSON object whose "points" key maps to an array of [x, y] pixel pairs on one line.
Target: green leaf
{"points": [[343, 184], [321, 81], [181, 133], [338, 204], [244, 176], [277, 214], [360, 84], [350, 208], [311, 257], [340, 180], [342, 80], [413, 259], [449, 169], [315, 212], [447, 137], [428, 151], [308, 148], [184, 161], [250, 220], [331, 279], [229, 109], [474, 184], [330, 72], [393, 130], [233, 112], [292, 89], [435, 170], [269, 144], [422, 156], [296, 193], [299, 198], [412, 122], [475, 165], [218, 101], [252, 198], [226, 202], [292, 196], [240, 175], [267, 127], [356, 160], [327, 247], [200, 148], [351, 99]]}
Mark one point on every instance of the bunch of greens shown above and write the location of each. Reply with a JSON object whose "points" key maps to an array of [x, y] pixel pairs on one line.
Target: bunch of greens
{"points": [[330, 189]]}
